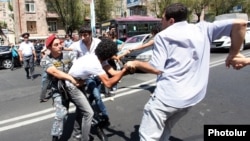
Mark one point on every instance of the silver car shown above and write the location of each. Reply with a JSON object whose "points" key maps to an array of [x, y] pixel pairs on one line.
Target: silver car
{"points": [[134, 41]]}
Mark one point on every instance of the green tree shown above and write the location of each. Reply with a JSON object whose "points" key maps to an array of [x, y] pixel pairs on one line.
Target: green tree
{"points": [[162, 5], [71, 13], [11, 10], [213, 7], [103, 9]]}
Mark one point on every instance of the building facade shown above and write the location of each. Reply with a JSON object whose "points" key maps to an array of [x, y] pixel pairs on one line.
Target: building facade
{"points": [[32, 17], [6, 23]]}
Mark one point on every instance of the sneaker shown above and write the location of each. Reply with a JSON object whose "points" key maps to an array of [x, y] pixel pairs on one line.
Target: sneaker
{"points": [[112, 92], [77, 137], [104, 121]]}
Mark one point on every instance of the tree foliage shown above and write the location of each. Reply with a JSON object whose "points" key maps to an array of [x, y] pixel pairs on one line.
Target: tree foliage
{"points": [[11, 11], [213, 7], [71, 13], [103, 9]]}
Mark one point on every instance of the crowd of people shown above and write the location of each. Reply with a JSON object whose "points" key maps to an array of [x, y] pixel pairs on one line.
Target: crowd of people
{"points": [[180, 57]]}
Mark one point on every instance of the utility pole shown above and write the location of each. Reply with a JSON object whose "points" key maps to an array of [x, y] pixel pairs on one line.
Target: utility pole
{"points": [[92, 17], [121, 8]]}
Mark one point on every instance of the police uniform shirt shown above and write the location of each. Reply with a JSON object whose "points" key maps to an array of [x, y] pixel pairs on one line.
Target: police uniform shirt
{"points": [[26, 48], [62, 63]]}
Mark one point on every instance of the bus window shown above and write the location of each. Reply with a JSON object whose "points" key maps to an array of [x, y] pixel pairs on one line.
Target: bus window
{"points": [[143, 27], [134, 28], [132, 25]]}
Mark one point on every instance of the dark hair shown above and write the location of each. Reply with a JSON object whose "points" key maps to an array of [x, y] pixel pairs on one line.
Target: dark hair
{"points": [[112, 26], [106, 49], [155, 30], [85, 29], [113, 34], [67, 35], [178, 11]]}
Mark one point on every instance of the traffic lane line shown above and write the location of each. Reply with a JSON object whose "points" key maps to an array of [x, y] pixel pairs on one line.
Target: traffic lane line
{"points": [[50, 114]]}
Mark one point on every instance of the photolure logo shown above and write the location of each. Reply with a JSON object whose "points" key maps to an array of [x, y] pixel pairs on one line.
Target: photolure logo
{"points": [[226, 132]]}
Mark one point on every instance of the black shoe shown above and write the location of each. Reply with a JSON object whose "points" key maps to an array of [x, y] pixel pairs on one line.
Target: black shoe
{"points": [[104, 121], [28, 77]]}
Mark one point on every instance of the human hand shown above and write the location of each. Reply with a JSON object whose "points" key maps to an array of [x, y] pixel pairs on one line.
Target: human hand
{"points": [[130, 50], [130, 66], [80, 82], [237, 61], [75, 82]]}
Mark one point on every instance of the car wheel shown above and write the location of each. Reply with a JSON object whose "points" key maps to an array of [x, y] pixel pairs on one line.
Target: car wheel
{"points": [[7, 63]]}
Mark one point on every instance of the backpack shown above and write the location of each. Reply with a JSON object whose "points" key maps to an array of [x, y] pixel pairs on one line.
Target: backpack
{"points": [[14, 53]]}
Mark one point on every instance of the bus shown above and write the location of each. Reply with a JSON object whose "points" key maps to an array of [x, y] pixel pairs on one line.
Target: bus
{"points": [[130, 26]]}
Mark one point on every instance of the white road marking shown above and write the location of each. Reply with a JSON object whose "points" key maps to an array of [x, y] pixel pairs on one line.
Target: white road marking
{"points": [[49, 113]]}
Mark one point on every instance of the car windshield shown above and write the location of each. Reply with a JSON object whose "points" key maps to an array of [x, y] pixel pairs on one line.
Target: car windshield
{"points": [[135, 39], [4, 48]]}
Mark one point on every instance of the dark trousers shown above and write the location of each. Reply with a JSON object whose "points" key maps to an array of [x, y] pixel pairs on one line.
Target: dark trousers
{"points": [[28, 63]]}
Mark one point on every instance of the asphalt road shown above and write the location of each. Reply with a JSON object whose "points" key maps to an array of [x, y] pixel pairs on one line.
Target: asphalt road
{"points": [[24, 118]]}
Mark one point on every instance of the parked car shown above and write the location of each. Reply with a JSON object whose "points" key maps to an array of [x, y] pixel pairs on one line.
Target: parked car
{"points": [[142, 54], [225, 41], [6, 57]]}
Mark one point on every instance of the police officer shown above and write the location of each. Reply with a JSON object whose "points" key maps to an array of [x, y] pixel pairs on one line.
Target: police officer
{"points": [[27, 55], [55, 66], [38, 47]]}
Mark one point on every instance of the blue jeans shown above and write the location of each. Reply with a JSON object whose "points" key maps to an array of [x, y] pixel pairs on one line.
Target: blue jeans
{"points": [[93, 87], [84, 112]]}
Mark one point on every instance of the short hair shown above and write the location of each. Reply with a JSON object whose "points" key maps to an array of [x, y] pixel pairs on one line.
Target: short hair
{"points": [[106, 49], [177, 11], [67, 35], [113, 34], [25, 34], [85, 29], [155, 30], [111, 26]]}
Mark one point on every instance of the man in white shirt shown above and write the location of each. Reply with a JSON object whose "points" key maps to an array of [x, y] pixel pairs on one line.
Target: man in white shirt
{"points": [[87, 45], [84, 67], [27, 55], [181, 56]]}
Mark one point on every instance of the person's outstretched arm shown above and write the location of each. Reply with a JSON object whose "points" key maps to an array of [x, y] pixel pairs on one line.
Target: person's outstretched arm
{"points": [[237, 37]]}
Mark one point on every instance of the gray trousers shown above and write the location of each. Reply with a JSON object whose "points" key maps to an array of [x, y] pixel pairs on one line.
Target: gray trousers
{"points": [[28, 63], [84, 112], [158, 120]]}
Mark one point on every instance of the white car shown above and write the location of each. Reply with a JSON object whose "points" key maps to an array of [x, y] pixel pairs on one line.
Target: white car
{"points": [[142, 54], [225, 41]]}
